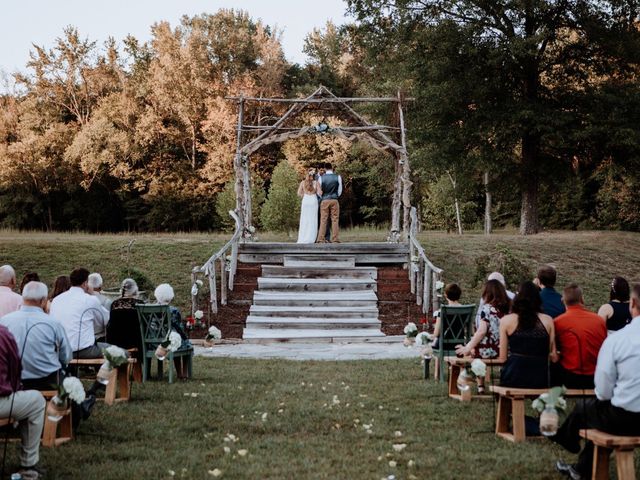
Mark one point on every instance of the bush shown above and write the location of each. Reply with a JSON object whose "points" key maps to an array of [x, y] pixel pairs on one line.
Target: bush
{"points": [[144, 282], [514, 269], [281, 210], [226, 200]]}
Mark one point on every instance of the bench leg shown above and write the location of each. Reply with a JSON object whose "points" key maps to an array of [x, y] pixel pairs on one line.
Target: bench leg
{"points": [[124, 381], [436, 368], [600, 469], [503, 416], [624, 465], [66, 429], [454, 372], [49, 433], [519, 434], [137, 372], [110, 391]]}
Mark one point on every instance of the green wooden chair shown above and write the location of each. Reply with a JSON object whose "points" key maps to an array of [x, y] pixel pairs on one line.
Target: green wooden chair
{"points": [[155, 324], [456, 323]]}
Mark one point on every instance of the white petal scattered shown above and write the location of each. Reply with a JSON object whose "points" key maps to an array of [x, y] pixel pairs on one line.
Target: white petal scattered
{"points": [[411, 463], [397, 433], [392, 463], [264, 416], [243, 452], [194, 394], [216, 472], [280, 411], [226, 449], [398, 447], [336, 400], [172, 473], [380, 458]]}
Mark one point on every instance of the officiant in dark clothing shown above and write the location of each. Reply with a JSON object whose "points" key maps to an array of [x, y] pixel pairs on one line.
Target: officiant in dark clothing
{"points": [[329, 190]]}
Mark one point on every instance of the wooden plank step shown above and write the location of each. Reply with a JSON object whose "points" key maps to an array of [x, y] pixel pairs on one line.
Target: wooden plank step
{"points": [[317, 312], [311, 322], [319, 248], [319, 261], [361, 259], [316, 299], [279, 271], [295, 335], [315, 284]]}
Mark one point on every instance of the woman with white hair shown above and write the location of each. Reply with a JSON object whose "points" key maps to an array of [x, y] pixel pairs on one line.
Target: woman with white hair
{"points": [[164, 296], [123, 328]]}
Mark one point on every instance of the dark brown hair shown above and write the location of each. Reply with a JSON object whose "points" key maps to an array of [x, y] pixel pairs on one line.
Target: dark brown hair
{"points": [[453, 292], [60, 285], [495, 294], [547, 275], [79, 276], [572, 294], [527, 305], [29, 277], [619, 290]]}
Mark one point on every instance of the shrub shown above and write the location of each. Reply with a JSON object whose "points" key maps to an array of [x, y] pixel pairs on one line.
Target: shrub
{"points": [[514, 269], [281, 210]]}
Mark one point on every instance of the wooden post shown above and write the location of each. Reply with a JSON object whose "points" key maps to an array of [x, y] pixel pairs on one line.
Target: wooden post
{"points": [[223, 279], [406, 171], [211, 270], [396, 202], [237, 162], [420, 281], [435, 306], [487, 205], [234, 264], [426, 289], [194, 298], [246, 172]]}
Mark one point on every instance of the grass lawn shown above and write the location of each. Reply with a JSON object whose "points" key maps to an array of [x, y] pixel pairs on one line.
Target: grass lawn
{"points": [[305, 433]]}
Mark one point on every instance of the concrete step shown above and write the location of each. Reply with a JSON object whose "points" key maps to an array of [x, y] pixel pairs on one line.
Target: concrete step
{"points": [[319, 261], [317, 312], [278, 271], [308, 334], [365, 298], [311, 322], [315, 284]]}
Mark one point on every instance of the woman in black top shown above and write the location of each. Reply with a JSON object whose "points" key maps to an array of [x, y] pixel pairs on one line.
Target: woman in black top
{"points": [[616, 313], [123, 328]]}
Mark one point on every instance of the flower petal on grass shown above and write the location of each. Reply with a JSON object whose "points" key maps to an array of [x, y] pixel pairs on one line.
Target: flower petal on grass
{"points": [[216, 472], [393, 463], [243, 452], [398, 447], [397, 433]]}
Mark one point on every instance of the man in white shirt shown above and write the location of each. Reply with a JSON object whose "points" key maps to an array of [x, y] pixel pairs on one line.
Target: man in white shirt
{"points": [[616, 408], [78, 312], [95, 289], [10, 301]]}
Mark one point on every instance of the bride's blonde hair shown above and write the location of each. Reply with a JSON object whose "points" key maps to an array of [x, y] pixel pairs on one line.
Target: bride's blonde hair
{"points": [[308, 180]]}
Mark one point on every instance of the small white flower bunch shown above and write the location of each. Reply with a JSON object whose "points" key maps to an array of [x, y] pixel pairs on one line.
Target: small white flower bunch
{"points": [[439, 285], [72, 388], [423, 339], [554, 398], [198, 315], [411, 330], [478, 368], [115, 356], [213, 334], [175, 340]]}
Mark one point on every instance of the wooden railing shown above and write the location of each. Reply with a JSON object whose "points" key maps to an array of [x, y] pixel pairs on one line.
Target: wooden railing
{"points": [[226, 263], [425, 277]]}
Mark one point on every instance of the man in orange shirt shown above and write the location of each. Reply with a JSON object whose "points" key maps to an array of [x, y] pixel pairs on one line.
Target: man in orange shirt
{"points": [[579, 336]]}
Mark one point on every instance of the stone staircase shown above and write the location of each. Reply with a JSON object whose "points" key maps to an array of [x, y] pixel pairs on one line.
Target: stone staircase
{"points": [[314, 298]]}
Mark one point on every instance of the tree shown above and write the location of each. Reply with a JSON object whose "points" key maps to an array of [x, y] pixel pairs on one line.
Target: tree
{"points": [[534, 51], [281, 210]]}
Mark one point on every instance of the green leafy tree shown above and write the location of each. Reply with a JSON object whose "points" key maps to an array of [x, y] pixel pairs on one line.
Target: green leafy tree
{"points": [[281, 209]]}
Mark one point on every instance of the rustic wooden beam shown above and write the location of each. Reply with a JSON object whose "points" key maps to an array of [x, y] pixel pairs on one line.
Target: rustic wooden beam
{"points": [[345, 128], [320, 100], [237, 161]]}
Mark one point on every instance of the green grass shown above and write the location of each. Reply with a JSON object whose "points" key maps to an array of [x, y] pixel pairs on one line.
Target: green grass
{"points": [[164, 428]]}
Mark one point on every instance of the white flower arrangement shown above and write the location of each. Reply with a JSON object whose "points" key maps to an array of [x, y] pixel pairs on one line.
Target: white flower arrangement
{"points": [[198, 315], [554, 398], [478, 368], [194, 289], [115, 356], [175, 341], [439, 285], [199, 283], [72, 388], [423, 339], [411, 330], [213, 334]]}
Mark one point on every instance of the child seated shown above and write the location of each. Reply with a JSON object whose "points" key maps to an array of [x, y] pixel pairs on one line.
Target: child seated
{"points": [[452, 294]]}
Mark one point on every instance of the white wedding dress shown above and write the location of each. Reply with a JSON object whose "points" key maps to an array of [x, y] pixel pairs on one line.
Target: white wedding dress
{"points": [[308, 230]]}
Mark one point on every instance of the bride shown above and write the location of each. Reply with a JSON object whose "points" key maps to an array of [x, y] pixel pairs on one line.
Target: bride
{"points": [[308, 230]]}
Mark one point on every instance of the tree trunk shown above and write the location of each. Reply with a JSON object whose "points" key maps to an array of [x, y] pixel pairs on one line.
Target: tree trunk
{"points": [[487, 205], [193, 147], [529, 219], [456, 204]]}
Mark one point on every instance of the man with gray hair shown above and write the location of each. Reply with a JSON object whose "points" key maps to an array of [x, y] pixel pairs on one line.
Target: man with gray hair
{"points": [[10, 301], [95, 289], [42, 341]]}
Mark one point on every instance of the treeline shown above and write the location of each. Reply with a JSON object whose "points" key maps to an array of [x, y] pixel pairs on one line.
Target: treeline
{"points": [[540, 100]]}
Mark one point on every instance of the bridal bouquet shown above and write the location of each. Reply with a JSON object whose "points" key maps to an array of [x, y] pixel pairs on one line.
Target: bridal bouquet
{"points": [[71, 389], [114, 357], [170, 344]]}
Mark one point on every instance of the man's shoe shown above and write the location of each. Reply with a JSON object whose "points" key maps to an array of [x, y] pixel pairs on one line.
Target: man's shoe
{"points": [[87, 406], [568, 470], [31, 473], [572, 448]]}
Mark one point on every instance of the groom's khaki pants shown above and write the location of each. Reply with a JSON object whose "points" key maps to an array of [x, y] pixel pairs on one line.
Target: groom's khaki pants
{"points": [[328, 207]]}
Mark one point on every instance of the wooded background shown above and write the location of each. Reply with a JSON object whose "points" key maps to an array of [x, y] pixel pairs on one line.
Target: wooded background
{"points": [[536, 103]]}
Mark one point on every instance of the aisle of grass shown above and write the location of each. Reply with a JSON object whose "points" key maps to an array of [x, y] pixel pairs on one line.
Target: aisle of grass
{"points": [[302, 420]]}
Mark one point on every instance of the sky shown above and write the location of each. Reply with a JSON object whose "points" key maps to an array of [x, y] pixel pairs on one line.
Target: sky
{"points": [[41, 21]]}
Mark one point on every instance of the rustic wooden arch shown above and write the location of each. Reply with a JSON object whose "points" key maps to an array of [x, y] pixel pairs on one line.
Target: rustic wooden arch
{"points": [[359, 129]]}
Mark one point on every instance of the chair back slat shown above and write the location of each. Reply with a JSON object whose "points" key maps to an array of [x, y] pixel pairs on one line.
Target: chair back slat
{"points": [[455, 325], [155, 324]]}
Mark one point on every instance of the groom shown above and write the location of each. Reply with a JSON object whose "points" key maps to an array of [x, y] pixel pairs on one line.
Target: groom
{"points": [[329, 189]]}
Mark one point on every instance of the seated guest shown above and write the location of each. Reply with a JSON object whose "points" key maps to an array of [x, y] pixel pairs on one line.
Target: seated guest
{"points": [[25, 406], [493, 276], [123, 328], [60, 285], [452, 294], [42, 341], [579, 335], [10, 301], [527, 339], [28, 277], [617, 313], [551, 300], [95, 289], [616, 408], [164, 296], [78, 312], [485, 343]]}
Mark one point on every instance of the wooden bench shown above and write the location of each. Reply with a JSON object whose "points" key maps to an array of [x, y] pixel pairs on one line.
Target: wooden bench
{"points": [[511, 406], [604, 445], [56, 433], [119, 386], [456, 364]]}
